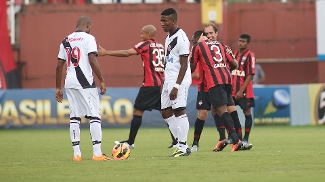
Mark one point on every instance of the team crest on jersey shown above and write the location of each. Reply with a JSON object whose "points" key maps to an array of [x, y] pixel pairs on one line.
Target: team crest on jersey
{"points": [[200, 102], [244, 58], [169, 48]]}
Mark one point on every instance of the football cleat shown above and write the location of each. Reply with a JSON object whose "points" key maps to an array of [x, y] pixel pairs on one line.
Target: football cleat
{"points": [[179, 153], [77, 158], [236, 146], [102, 157], [194, 148], [246, 146], [125, 141], [220, 145]]}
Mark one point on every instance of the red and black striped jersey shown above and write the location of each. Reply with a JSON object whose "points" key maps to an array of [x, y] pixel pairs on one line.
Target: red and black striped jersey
{"points": [[200, 82], [246, 66], [152, 54], [212, 58]]}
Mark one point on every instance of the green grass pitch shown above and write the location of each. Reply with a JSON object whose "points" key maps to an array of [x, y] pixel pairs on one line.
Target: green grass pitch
{"points": [[279, 153]]}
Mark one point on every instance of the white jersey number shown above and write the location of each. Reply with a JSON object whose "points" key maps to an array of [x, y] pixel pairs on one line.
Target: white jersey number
{"points": [[159, 57], [213, 47]]}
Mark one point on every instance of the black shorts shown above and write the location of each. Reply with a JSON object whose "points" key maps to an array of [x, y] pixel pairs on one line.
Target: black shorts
{"points": [[203, 101], [148, 99], [245, 103], [220, 95]]}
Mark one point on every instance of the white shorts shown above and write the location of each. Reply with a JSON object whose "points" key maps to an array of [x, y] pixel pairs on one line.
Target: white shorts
{"points": [[181, 99], [83, 102]]}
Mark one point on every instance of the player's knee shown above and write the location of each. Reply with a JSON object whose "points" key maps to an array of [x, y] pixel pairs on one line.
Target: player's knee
{"points": [[137, 112], [247, 111], [202, 114]]}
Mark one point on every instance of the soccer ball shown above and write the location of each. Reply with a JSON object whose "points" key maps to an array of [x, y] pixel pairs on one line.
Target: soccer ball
{"points": [[121, 151]]}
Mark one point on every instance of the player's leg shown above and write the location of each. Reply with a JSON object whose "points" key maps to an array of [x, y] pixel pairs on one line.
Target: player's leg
{"points": [[134, 127], [174, 140], [203, 105], [179, 108], [234, 115], [246, 104], [74, 124], [92, 105], [219, 98], [148, 98], [248, 123], [167, 112], [198, 128], [219, 125]]}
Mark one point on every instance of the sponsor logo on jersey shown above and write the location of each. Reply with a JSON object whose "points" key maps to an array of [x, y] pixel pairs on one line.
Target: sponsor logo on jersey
{"points": [[72, 39], [238, 72], [219, 65]]}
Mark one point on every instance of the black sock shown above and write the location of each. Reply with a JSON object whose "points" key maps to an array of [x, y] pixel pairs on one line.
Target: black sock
{"points": [[135, 125], [229, 124], [237, 125], [220, 126], [173, 138], [248, 126], [198, 127]]}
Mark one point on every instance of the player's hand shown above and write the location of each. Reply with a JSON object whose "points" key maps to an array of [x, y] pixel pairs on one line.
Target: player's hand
{"points": [[229, 51], [101, 51], [102, 88], [173, 94], [239, 95], [58, 95]]}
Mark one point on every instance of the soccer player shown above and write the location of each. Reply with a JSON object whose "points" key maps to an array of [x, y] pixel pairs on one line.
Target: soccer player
{"points": [[79, 50], [242, 84], [177, 81], [203, 103], [211, 56], [148, 98]]}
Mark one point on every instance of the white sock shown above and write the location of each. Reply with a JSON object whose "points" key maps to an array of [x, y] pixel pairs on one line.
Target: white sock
{"points": [[75, 136], [183, 127], [173, 124], [96, 136]]}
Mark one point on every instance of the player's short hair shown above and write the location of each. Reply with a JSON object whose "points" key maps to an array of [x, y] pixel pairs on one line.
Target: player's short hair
{"points": [[212, 25], [170, 11], [197, 34], [246, 36]]}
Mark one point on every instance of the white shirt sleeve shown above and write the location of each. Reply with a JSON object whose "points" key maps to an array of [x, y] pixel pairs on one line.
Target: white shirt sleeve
{"points": [[92, 45], [183, 45], [62, 53]]}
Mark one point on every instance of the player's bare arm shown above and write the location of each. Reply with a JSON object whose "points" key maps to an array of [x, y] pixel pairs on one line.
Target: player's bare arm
{"points": [[96, 69], [193, 67], [193, 64], [117, 53], [231, 58], [240, 93], [58, 92]]}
